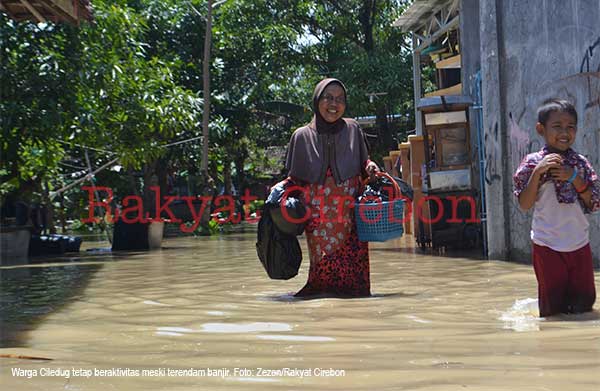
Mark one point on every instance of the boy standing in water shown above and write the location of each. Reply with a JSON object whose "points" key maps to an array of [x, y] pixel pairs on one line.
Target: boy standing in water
{"points": [[561, 185]]}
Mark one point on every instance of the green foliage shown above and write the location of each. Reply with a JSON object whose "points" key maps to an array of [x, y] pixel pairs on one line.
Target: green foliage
{"points": [[130, 82], [254, 206], [354, 41], [130, 102], [35, 101]]}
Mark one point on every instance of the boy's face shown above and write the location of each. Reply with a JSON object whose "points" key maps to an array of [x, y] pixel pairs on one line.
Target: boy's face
{"points": [[559, 131]]}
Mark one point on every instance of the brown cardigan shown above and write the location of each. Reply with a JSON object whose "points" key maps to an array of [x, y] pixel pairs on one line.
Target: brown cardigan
{"points": [[310, 153]]}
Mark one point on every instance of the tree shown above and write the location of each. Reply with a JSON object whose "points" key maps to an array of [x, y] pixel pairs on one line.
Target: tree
{"points": [[354, 41], [130, 83], [97, 87], [35, 103], [130, 102], [256, 60]]}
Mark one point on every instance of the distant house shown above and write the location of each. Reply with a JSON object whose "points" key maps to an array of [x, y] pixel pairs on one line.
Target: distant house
{"points": [[40, 11]]}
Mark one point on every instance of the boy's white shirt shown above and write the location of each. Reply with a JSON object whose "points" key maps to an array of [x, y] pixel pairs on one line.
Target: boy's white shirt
{"points": [[562, 227]]}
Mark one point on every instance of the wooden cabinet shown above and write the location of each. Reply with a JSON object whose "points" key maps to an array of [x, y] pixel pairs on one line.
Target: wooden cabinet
{"points": [[446, 175]]}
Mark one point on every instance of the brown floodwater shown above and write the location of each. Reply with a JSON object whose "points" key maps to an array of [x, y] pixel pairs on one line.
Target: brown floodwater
{"points": [[201, 314]]}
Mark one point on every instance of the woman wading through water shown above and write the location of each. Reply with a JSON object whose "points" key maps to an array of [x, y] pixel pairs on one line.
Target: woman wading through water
{"points": [[329, 157]]}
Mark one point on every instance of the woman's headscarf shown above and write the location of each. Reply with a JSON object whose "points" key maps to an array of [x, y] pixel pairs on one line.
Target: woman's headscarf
{"points": [[318, 121], [320, 145]]}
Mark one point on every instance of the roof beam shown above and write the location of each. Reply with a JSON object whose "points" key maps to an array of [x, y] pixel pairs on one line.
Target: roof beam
{"points": [[419, 37], [438, 21], [8, 11], [64, 9], [33, 11], [453, 7], [433, 37]]}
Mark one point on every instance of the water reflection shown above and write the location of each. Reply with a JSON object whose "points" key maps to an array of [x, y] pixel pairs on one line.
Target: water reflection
{"points": [[30, 293], [289, 297], [245, 327], [435, 322], [295, 338]]}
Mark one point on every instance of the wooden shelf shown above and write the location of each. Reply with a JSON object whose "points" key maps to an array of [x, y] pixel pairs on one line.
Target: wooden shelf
{"points": [[454, 90], [449, 63]]}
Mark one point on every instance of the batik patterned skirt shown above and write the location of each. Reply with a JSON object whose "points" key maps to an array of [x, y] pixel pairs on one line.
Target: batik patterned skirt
{"points": [[339, 262]]}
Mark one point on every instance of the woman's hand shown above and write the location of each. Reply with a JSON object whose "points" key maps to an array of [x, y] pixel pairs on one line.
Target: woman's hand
{"points": [[371, 169]]}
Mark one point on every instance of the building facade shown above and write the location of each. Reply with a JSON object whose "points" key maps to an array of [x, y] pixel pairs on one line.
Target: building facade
{"points": [[514, 55]]}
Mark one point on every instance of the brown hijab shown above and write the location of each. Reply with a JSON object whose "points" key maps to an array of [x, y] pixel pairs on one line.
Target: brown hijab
{"points": [[318, 122], [320, 145]]}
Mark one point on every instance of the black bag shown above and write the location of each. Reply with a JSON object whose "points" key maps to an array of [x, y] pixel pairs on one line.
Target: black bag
{"points": [[380, 189], [294, 207], [279, 253], [405, 188]]}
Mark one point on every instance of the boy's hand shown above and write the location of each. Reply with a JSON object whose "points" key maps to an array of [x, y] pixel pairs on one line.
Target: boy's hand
{"points": [[553, 160], [562, 173]]}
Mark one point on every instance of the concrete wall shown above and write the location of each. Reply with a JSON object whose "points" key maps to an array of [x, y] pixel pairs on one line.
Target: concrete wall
{"points": [[528, 54], [496, 182], [470, 65]]}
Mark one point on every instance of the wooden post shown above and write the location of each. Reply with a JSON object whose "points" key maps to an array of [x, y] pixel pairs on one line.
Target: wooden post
{"points": [[417, 159], [394, 155], [406, 175], [387, 164]]}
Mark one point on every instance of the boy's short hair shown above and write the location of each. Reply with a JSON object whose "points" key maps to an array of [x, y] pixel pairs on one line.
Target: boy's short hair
{"points": [[555, 105]]}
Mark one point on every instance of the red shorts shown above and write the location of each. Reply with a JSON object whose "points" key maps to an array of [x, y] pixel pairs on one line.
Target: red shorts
{"points": [[565, 280]]}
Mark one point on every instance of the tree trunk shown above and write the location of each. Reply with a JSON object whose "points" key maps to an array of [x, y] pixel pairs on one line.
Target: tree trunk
{"points": [[132, 182], [227, 176], [366, 18], [385, 135], [206, 86], [50, 209], [208, 190], [62, 217], [208, 181], [239, 162], [150, 180], [162, 173]]}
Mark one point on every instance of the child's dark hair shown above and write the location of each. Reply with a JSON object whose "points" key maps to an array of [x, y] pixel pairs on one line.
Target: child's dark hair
{"points": [[555, 105]]}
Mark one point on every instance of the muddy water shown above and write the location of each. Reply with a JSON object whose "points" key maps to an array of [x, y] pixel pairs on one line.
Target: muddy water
{"points": [[204, 307]]}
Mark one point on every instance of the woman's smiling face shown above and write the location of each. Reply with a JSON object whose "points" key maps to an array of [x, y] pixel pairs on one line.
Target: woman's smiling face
{"points": [[332, 102]]}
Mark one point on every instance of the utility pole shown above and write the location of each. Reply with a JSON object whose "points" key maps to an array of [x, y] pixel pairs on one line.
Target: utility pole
{"points": [[206, 87]]}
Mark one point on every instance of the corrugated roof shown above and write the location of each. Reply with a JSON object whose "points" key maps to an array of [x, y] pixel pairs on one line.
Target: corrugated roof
{"points": [[71, 11], [414, 16]]}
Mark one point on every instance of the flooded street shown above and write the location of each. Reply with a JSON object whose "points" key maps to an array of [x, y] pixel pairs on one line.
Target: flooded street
{"points": [[202, 314]]}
